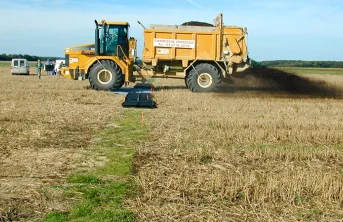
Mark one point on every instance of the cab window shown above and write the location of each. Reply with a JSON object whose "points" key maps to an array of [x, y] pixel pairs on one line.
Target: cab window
{"points": [[111, 36]]}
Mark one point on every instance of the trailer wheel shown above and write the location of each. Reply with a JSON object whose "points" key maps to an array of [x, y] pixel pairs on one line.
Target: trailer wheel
{"points": [[105, 76], [203, 78]]}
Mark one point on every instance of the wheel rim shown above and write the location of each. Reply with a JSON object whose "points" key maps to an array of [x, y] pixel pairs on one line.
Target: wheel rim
{"points": [[104, 76], [205, 80]]}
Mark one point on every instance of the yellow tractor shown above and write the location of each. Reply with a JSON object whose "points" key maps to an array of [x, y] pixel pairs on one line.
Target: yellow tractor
{"points": [[201, 55]]}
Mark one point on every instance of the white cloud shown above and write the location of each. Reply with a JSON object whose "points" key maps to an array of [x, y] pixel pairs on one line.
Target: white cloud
{"points": [[194, 3]]}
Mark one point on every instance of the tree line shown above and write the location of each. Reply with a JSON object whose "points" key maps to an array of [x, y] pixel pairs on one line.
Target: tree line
{"points": [[9, 57], [298, 63], [254, 63]]}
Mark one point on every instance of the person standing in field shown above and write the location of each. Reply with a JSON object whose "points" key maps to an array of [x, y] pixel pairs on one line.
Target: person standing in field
{"points": [[53, 68], [39, 66], [59, 68], [48, 66]]}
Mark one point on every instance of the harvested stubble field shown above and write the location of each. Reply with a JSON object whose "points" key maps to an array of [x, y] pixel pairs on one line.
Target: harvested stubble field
{"points": [[268, 148], [45, 131]]}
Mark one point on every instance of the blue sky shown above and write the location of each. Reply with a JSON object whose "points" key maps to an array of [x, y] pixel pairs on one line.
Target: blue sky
{"points": [[283, 29]]}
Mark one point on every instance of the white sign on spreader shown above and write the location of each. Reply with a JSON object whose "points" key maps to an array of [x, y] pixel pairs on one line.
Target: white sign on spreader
{"points": [[72, 60], [163, 51], [174, 43]]}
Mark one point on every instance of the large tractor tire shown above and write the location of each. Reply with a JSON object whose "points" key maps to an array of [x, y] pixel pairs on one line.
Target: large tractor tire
{"points": [[106, 76], [186, 83], [122, 77], [203, 78]]}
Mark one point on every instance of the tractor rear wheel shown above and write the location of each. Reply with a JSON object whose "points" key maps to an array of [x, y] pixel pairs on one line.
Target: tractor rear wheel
{"points": [[186, 82], [204, 77], [105, 76]]}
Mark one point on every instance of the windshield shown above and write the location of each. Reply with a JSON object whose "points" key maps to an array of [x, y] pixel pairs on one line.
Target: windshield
{"points": [[111, 36]]}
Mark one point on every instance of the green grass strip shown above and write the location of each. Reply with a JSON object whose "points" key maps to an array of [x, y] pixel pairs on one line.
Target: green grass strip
{"points": [[102, 199]]}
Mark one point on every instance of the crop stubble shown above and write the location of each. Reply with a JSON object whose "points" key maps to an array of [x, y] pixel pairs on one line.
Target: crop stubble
{"points": [[267, 149], [46, 127], [257, 151]]}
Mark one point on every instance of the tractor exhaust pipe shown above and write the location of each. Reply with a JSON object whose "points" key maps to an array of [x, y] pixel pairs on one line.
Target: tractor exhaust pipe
{"points": [[97, 39]]}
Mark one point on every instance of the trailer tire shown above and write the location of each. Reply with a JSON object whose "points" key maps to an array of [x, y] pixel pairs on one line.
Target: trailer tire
{"points": [[105, 76], [203, 78]]}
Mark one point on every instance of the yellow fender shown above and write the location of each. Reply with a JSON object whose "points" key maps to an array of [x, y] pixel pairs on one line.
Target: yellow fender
{"points": [[65, 73]]}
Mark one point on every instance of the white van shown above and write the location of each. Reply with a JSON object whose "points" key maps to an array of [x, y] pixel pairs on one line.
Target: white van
{"points": [[20, 66]]}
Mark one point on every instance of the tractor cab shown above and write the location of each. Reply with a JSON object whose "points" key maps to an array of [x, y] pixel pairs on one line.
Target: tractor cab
{"points": [[111, 39]]}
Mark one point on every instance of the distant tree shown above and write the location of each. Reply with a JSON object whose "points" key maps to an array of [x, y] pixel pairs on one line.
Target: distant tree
{"points": [[256, 64], [28, 57], [3, 57], [9, 57], [299, 63]]}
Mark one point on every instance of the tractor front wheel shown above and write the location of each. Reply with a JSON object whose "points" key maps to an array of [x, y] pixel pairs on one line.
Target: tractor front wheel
{"points": [[105, 76]]}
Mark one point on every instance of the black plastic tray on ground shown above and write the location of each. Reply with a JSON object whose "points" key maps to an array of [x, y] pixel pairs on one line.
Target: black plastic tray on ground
{"points": [[140, 99]]}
